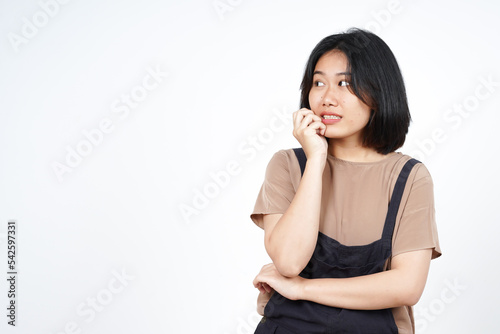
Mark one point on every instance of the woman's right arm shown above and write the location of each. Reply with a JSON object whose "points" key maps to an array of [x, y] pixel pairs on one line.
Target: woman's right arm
{"points": [[290, 238]]}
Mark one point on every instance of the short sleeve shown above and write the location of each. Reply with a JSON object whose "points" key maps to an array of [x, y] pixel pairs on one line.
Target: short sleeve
{"points": [[278, 189], [417, 224]]}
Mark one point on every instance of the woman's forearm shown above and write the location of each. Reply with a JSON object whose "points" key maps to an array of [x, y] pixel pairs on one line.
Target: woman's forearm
{"points": [[402, 285], [292, 240]]}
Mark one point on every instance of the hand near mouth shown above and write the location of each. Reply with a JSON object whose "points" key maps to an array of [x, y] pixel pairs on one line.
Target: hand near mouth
{"points": [[309, 130]]}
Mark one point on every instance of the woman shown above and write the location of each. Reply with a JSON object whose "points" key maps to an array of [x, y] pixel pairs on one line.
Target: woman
{"points": [[349, 223]]}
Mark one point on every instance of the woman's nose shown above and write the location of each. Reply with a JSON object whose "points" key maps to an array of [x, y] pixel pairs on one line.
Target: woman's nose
{"points": [[330, 98]]}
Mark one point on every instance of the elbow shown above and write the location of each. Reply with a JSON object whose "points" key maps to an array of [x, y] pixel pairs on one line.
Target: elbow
{"points": [[287, 265], [412, 299], [410, 296], [289, 269]]}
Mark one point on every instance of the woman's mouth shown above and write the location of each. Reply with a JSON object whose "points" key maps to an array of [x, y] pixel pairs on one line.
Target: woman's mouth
{"points": [[330, 119]]}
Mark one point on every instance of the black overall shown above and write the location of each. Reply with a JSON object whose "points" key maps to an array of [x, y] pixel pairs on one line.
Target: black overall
{"points": [[331, 259]]}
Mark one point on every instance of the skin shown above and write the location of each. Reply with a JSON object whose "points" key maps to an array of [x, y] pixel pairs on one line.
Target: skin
{"points": [[290, 238]]}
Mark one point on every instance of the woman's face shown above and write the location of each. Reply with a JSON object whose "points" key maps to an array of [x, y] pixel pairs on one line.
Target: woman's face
{"points": [[343, 113]]}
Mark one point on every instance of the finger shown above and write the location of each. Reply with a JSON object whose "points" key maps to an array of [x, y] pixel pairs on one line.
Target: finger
{"points": [[260, 284], [323, 129], [256, 281], [258, 278], [306, 121], [297, 118], [309, 118], [316, 126], [321, 132], [305, 111], [317, 118], [260, 287], [299, 115]]}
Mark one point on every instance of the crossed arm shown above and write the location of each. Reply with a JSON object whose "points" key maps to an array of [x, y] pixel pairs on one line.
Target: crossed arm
{"points": [[402, 285]]}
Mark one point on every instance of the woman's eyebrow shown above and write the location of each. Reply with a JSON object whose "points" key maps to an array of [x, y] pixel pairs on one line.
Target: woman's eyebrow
{"points": [[337, 74]]}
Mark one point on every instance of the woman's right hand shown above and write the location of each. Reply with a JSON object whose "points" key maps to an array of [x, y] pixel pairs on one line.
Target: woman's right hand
{"points": [[309, 130]]}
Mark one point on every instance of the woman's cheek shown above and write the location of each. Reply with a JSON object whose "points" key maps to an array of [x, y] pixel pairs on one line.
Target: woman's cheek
{"points": [[313, 100]]}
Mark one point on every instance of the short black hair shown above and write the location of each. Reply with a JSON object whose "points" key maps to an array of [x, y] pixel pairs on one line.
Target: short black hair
{"points": [[375, 79]]}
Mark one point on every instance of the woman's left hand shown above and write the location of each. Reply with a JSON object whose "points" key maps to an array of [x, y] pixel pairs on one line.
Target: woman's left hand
{"points": [[269, 277]]}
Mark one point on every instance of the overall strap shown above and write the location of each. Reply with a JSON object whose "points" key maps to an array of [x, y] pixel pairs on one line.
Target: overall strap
{"points": [[301, 156], [397, 194]]}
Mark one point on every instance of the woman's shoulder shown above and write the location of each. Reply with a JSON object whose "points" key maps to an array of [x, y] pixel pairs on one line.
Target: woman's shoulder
{"points": [[286, 153], [284, 167], [419, 171], [284, 158]]}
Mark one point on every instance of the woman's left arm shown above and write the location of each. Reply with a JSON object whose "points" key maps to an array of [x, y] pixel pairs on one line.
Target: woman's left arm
{"points": [[402, 285]]}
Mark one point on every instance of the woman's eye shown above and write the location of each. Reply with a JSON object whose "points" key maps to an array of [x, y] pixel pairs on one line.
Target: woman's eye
{"points": [[318, 84], [343, 83]]}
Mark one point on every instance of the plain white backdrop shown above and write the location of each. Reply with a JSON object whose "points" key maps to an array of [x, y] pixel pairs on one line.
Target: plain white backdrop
{"points": [[134, 136]]}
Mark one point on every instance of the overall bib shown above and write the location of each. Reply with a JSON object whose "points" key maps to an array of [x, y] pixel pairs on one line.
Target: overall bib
{"points": [[332, 259]]}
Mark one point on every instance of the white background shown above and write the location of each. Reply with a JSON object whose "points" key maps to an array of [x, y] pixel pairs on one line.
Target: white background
{"points": [[233, 66]]}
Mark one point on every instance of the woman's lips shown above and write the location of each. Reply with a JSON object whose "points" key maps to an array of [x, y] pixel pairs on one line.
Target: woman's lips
{"points": [[330, 118]]}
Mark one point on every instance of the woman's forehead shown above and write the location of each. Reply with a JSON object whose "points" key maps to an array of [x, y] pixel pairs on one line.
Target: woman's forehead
{"points": [[332, 62]]}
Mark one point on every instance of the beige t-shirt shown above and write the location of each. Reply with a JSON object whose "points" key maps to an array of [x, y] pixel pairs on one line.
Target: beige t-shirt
{"points": [[354, 204]]}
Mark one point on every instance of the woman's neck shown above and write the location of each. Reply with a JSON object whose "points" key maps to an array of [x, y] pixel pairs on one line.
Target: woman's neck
{"points": [[353, 152]]}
